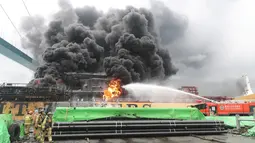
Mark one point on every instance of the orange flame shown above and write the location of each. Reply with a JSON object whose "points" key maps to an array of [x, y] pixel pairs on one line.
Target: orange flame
{"points": [[114, 90]]}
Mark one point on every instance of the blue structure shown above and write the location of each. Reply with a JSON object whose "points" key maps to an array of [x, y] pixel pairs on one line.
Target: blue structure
{"points": [[16, 55]]}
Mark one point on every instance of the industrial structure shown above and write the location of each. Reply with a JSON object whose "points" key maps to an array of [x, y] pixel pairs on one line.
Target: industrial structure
{"points": [[92, 86]]}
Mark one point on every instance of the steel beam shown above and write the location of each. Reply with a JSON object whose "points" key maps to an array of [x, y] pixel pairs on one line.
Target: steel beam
{"points": [[17, 55]]}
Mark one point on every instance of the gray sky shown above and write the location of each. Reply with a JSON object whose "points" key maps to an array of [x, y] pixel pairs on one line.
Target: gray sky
{"points": [[223, 28]]}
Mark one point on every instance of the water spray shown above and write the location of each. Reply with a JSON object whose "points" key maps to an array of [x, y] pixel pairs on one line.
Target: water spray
{"points": [[139, 89]]}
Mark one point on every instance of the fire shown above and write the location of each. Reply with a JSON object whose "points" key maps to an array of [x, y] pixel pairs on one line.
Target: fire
{"points": [[114, 90]]}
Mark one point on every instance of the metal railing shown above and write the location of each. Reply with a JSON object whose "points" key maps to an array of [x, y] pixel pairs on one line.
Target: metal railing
{"points": [[238, 120]]}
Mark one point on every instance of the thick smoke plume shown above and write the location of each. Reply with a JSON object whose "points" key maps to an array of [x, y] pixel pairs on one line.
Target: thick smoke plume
{"points": [[211, 43], [33, 28], [124, 43]]}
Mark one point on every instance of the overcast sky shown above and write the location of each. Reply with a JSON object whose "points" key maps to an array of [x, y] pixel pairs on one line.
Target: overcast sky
{"points": [[226, 27]]}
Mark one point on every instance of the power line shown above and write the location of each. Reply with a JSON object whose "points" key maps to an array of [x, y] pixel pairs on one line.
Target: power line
{"points": [[26, 8], [10, 20], [29, 15]]}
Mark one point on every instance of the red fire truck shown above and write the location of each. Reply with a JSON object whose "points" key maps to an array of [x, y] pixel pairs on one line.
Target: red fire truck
{"points": [[226, 109]]}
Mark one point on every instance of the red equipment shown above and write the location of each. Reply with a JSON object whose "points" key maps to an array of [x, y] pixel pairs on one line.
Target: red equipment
{"points": [[226, 109]]}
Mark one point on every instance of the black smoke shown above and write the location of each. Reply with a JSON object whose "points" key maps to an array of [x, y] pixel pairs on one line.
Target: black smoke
{"points": [[88, 15], [123, 43]]}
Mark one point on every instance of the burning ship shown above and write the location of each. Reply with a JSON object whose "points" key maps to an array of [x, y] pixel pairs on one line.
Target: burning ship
{"points": [[89, 89]]}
